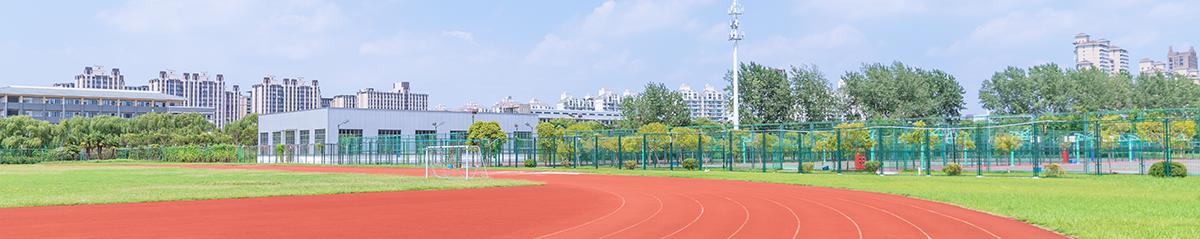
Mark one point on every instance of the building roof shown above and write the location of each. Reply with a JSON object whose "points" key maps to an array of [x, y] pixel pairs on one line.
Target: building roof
{"points": [[1081, 34], [86, 93]]}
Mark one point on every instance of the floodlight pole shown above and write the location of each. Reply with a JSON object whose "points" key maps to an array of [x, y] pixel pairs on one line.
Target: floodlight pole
{"points": [[735, 36]]}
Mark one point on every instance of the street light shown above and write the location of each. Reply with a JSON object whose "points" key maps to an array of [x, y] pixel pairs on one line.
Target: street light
{"points": [[339, 128], [531, 130]]}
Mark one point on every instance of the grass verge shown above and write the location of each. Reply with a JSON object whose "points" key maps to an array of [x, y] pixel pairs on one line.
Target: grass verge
{"points": [[39, 185], [1084, 206]]}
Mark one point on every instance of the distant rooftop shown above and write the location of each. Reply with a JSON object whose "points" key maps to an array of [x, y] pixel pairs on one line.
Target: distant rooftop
{"points": [[88, 93]]}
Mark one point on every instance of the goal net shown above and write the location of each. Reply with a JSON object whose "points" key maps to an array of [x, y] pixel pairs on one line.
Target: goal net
{"points": [[455, 162]]}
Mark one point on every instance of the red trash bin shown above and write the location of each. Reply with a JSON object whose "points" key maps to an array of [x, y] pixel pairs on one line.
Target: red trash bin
{"points": [[1066, 156]]}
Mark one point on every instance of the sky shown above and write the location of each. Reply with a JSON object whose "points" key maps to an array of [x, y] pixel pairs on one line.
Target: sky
{"points": [[483, 51]]}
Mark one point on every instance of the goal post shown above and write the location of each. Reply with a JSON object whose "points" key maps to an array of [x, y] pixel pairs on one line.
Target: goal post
{"points": [[455, 162]]}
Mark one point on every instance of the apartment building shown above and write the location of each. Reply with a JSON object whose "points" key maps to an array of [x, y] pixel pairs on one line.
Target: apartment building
{"points": [[198, 90], [1099, 54], [606, 100], [94, 77], [284, 95], [343, 101], [710, 103], [400, 98]]}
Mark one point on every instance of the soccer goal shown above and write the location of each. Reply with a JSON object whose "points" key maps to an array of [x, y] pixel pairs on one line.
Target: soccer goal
{"points": [[455, 162]]}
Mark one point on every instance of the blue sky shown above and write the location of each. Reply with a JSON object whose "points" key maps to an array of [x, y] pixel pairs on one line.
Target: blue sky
{"points": [[460, 51]]}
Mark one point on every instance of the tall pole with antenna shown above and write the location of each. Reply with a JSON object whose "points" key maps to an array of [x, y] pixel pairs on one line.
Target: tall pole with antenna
{"points": [[735, 36]]}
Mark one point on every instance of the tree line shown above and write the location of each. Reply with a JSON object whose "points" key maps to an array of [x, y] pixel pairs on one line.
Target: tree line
{"points": [[93, 134], [878, 91]]}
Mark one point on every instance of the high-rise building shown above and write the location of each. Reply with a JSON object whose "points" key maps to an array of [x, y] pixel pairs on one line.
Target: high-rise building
{"points": [[276, 96], [1182, 63], [606, 100], [343, 101], [709, 104], [1146, 65], [97, 78], [199, 90], [400, 98], [1099, 54]]}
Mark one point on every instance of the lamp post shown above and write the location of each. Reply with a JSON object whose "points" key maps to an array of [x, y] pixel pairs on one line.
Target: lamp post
{"points": [[735, 36]]}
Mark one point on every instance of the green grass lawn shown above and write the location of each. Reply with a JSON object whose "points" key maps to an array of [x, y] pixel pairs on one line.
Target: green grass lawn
{"points": [[1085, 206], [39, 185]]}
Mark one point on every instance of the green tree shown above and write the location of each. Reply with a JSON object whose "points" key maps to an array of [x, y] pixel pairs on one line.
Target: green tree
{"points": [[1158, 91], [764, 94], [656, 104], [243, 131], [814, 96], [899, 91], [1096, 90], [25, 132], [487, 135]]}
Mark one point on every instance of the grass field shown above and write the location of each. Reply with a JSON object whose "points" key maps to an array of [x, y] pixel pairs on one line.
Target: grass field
{"points": [[39, 185], [1084, 206]]}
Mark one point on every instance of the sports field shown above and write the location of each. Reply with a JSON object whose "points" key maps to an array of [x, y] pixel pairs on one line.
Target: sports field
{"points": [[38, 185], [567, 206], [574, 206]]}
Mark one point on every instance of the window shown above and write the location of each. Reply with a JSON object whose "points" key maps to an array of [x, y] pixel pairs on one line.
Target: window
{"points": [[275, 137], [304, 137], [126, 103], [55, 114], [389, 132], [458, 135], [91, 102], [13, 112], [319, 136], [160, 104], [53, 100], [108, 102], [262, 139], [143, 103], [290, 136], [31, 100], [349, 133], [14, 99], [72, 101]]}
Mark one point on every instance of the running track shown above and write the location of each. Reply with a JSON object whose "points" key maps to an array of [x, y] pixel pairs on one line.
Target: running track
{"points": [[568, 206]]}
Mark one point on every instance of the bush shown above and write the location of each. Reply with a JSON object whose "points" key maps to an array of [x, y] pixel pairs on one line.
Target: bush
{"points": [[529, 163], [691, 164], [806, 168], [871, 166], [1053, 170], [630, 164], [1177, 170], [952, 169], [565, 163]]}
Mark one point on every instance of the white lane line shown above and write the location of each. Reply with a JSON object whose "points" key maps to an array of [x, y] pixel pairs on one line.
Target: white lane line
{"points": [[859, 229], [693, 220], [743, 222], [797, 233], [590, 222], [944, 215], [660, 207], [885, 211]]}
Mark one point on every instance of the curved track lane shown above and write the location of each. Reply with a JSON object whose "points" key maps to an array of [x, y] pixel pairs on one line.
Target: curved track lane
{"points": [[568, 206]]}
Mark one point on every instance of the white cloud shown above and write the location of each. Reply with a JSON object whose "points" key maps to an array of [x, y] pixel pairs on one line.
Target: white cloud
{"points": [[466, 36], [1017, 29], [557, 51], [292, 29], [1173, 10], [631, 17]]}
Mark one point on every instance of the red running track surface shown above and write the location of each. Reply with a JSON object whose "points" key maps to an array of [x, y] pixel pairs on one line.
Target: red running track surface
{"points": [[568, 206]]}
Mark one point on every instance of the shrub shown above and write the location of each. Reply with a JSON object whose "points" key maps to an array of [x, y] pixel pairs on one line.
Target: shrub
{"points": [[952, 169], [630, 164], [1053, 170], [691, 164], [565, 162], [1177, 169], [871, 166], [529, 163], [806, 167]]}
